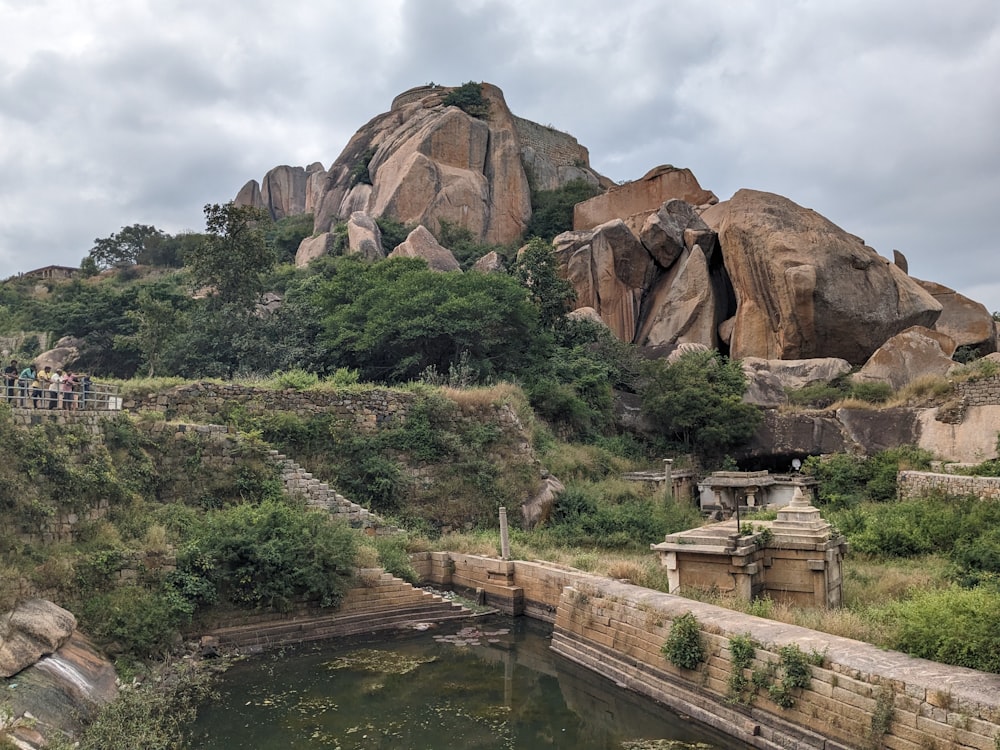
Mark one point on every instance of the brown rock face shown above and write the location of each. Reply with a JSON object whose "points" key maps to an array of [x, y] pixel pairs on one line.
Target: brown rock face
{"points": [[907, 356], [610, 270], [805, 288], [34, 628], [674, 227], [313, 247], [283, 192], [421, 244], [682, 306], [643, 196], [364, 237], [968, 323], [423, 163]]}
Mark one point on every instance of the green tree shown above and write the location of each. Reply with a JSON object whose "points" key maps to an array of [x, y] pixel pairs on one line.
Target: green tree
{"points": [[155, 323], [552, 210], [394, 319], [285, 235], [469, 98], [697, 402], [124, 247], [536, 269], [234, 256]]}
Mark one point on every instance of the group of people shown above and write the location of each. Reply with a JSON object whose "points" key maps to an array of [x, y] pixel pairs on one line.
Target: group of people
{"points": [[44, 388]]}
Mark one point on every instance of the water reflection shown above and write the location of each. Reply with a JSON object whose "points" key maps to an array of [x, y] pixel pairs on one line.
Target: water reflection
{"points": [[496, 685]]}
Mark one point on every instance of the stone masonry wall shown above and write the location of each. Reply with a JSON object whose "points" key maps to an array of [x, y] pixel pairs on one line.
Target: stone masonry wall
{"points": [[617, 630], [216, 402], [981, 392], [912, 484], [562, 149]]}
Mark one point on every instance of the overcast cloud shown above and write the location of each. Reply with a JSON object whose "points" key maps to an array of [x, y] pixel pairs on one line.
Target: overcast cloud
{"points": [[882, 116]]}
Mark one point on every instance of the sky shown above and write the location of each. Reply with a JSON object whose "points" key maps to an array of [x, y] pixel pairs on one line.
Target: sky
{"points": [[881, 115]]}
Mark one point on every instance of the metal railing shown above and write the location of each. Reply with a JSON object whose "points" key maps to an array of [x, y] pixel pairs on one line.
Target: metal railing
{"points": [[88, 395]]}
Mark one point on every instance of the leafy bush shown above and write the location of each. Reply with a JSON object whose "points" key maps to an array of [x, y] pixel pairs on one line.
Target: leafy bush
{"points": [[955, 626], [552, 210], [697, 402], [683, 647], [469, 98], [875, 393], [272, 554], [845, 480], [139, 621]]}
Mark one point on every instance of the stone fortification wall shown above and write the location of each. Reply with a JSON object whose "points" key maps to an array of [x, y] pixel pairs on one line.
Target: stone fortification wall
{"points": [[562, 149], [415, 95], [617, 630], [216, 402], [913, 484], [981, 392]]}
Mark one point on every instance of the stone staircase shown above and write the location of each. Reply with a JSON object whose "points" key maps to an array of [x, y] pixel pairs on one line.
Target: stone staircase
{"points": [[383, 603], [319, 494]]}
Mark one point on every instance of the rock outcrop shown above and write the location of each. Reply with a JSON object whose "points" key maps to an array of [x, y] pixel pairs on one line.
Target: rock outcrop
{"points": [[421, 244], [610, 270], [641, 197], [968, 323], [799, 373], [425, 163], [806, 288], [909, 355], [31, 630], [364, 237]]}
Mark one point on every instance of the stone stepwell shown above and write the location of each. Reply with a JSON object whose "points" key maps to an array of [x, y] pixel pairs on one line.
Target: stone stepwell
{"points": [[383, 602]]}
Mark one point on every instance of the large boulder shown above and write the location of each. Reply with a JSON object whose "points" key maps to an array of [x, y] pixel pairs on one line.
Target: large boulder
{"points": [[682, 305], [421, 244], [313, 247], [283, 192], [610, 270], [806, 288], [424, 163], [909, 355], [673, 228], [492, 262], [641, 197], [798, 373], [364, 237], [31, 630], [967, 322]]}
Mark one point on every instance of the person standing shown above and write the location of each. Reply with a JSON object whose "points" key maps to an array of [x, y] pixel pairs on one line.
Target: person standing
{"points": [[25, 380], [10, 374], [67, 397], [55, 395]]}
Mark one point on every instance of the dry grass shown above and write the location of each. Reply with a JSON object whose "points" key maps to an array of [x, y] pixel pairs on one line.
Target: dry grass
{"points": [[484, 396], [923, 391], [871, 586]]}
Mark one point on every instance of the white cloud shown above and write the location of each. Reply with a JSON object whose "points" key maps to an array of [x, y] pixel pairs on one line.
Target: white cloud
{"points": [[880, 116]]}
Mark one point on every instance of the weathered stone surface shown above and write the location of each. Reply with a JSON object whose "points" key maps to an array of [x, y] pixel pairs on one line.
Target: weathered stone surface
{"points": [[967, 322], [763, 388], [421, 244], [283, 191], [900, 260], [672, 229], [59, 694], [805, 288], [427, 163], [492, 262], [249, 195], [587, 313], [972, 440], [876, 430], [642, 196], [34, 628], [798, 373], [62, 355], [795, 435], [313, 247], [538, 507], [364, 237], [682, 306], [609, 269], [911, 354]]}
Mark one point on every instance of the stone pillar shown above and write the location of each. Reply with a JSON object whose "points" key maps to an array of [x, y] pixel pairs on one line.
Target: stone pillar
{"points": [[504, 537], [668, 477]]}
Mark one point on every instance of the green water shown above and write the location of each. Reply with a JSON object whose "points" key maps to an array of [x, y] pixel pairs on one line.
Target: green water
{"points": [[495, 685]]}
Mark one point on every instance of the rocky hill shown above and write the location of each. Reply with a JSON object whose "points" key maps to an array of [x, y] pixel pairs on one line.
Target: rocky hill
{"points": [[659, 260]]}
